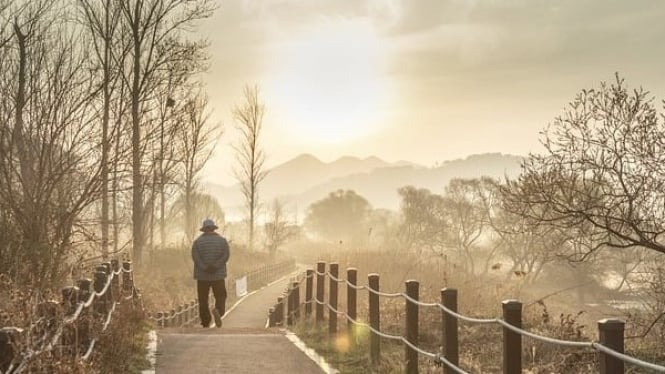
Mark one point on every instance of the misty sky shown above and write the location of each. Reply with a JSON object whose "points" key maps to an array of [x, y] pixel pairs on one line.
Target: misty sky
{"points": [[420, 80]]}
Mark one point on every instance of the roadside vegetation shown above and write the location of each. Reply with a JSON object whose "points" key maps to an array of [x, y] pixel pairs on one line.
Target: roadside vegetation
{"points": [[576, 237], [106, 128]]}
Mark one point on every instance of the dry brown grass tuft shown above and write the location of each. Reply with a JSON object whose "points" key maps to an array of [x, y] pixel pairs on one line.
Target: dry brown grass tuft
{"points": [[122, 347]]}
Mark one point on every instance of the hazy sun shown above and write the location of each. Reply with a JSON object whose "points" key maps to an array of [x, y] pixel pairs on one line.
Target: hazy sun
{"points": [[328, 84]]}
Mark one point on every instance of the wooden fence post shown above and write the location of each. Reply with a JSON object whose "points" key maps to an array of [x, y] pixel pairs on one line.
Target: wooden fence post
{"points": [[107, 267], [309, 283], [98, 285], [191, 312], [411, 326], [70, 298], [165, 319], [332, 299], [7, 337], [280, 310], [449, 336], [610, 333], [351, 298], [289, 307], [70, 333], [320, 274], [194, 317], [374, 318], [84, 288], [115, 283], [512, 341], [6, 350], [296, 300], [83, 324], [271, 316], [178, 318], [127, 278]]}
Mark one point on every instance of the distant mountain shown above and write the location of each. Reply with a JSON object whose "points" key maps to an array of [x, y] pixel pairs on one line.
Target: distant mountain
{"points": [[307, 171], [306, 179]]}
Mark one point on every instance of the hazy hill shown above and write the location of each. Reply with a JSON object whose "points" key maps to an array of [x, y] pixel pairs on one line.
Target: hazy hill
{"points": [[307, 171], [306, 179]]}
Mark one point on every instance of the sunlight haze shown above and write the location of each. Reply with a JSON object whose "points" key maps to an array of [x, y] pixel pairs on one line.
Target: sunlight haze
{"points": [[424, 81]]}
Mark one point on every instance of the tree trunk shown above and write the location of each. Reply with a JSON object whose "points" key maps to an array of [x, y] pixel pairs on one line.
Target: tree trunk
{"points": [[137, 180], [189, 232], [31, 229], [162, 214], [114, 194], [105, 148], [162, 181]]}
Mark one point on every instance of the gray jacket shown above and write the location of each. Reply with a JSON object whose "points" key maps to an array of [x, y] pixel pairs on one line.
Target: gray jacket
{"points": [[210, 253]]}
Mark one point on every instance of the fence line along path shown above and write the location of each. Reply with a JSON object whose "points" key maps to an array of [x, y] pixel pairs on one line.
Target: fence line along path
{"points": [[242, 345], [609, 348], [70, 327]]}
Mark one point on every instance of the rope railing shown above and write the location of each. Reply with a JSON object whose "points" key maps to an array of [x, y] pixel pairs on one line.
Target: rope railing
{"points": [[111, 280], [609, 347], [187, 313]]}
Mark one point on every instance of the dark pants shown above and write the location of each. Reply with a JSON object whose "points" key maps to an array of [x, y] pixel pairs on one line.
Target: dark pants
{"points": [[203, 290]]}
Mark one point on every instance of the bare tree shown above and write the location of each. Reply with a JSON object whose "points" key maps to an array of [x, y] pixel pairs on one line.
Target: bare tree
{"points": [[176, 87], [200, 205], [423, 220], [249, 153], [101, 19], [152, 26], [50, 172], [278, 229], [196, 138], [603, 170], [452, 224]]}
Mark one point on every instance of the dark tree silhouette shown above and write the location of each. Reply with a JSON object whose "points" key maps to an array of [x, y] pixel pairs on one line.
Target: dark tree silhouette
{"points": [[602, 175]]}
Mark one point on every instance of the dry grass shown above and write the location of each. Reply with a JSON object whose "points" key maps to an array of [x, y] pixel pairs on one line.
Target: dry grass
{"points": [[166, 279], [478, 296], [121, 349]]}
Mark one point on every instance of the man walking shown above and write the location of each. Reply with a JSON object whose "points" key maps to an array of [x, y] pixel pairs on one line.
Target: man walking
{"points": [[210, 252]]}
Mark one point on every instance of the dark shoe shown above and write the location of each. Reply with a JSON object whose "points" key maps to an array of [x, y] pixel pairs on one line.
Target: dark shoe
{"points": [[217, 317]]}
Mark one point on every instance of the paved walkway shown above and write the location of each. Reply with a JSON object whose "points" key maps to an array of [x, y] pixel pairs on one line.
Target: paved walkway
{"points": [[242, 345]]}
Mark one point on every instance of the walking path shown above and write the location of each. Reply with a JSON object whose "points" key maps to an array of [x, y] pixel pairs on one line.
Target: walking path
{"points": [[242, 345]]}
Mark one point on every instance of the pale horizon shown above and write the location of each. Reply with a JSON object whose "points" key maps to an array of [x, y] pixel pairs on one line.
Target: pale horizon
{"points": [[420, 81]]}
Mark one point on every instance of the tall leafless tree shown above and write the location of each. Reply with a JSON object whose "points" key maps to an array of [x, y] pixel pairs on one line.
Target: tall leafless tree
{"points": [[152, 25], [101, 19], [196, 138], [249, 153], [50, 172]]}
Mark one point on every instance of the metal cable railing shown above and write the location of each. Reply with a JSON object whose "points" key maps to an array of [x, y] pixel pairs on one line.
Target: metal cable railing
{"points": [[436, 356]]}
